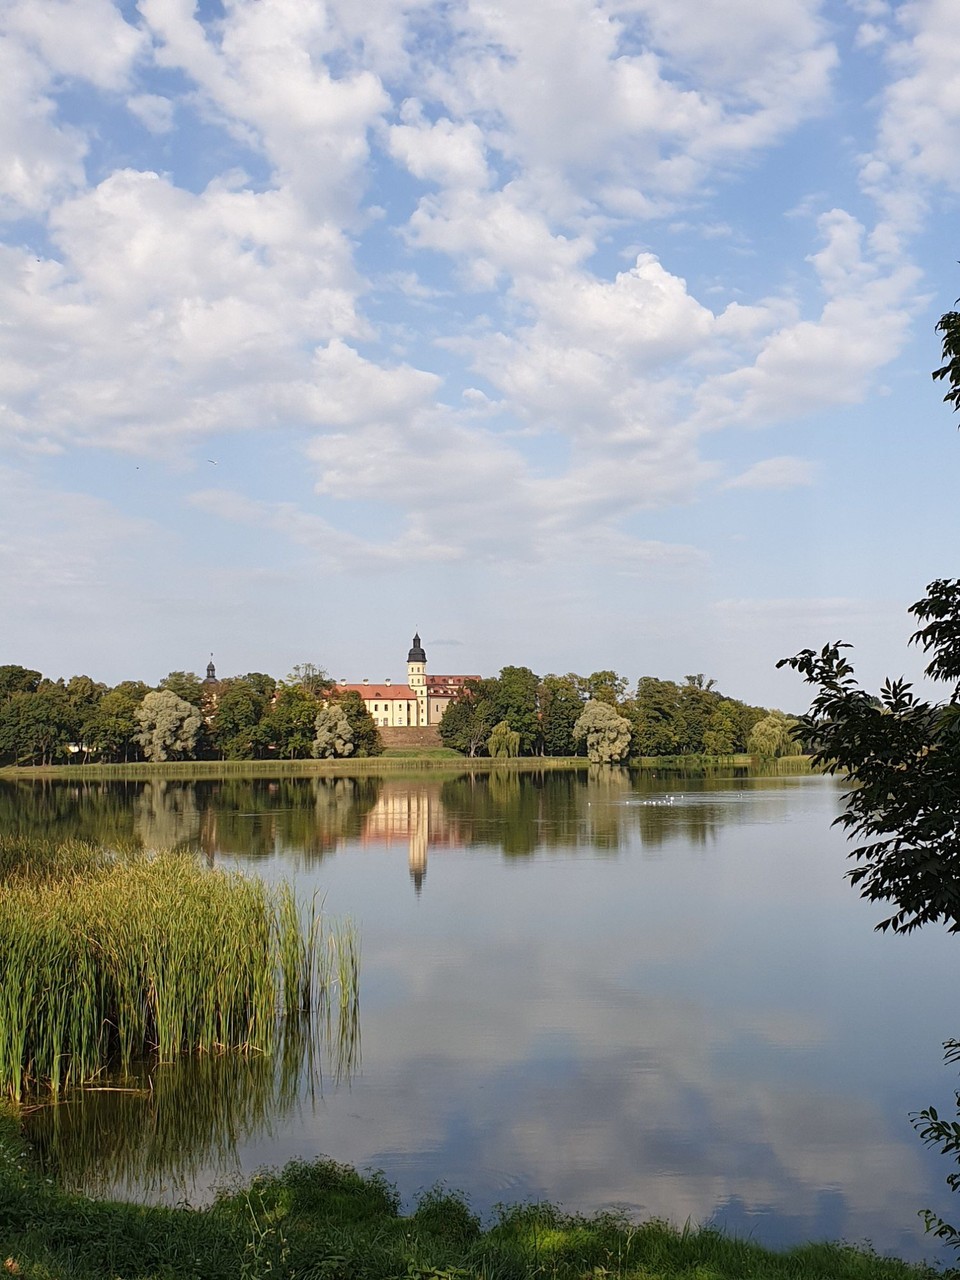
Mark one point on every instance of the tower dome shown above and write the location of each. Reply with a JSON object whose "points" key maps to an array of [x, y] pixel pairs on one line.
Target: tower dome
{"points": [[416, 654]]}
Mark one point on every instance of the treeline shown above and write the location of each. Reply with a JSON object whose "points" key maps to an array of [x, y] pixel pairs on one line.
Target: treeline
{"points": [[520, 713], [249, 717], [256, 717]]}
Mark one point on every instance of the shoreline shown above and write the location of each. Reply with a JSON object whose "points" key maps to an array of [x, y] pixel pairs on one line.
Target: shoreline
{"points": [[373, 765], [327, 1221]]}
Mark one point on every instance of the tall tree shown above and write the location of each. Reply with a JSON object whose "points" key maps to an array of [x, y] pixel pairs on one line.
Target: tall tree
{"points": [[468, 720], [17, 679], [603, 686], [333, 734], [111, 730], [287, 729], [560, 708], [169, 726], [186, 685], [772, 736], [605, 731], [363, 728], [655, 716], [236, 719], [503, 741], [309, 676], [37, 728], [515, 700]]}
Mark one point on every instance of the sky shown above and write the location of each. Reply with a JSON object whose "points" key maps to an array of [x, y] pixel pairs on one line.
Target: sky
{"points": [[573, 334]]}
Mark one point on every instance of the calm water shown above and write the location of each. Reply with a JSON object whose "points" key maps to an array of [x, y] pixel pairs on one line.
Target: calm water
{"points": [[600, 990]]}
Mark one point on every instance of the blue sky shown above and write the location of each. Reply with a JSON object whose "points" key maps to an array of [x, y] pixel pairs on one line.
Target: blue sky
{"points": [[574, 334]]}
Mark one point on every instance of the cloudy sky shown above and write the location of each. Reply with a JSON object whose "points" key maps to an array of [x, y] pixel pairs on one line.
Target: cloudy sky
{"points": [[573, 333]]}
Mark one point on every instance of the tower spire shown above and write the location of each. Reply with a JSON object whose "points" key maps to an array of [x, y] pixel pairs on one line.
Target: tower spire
{"points": [[416, 654]]}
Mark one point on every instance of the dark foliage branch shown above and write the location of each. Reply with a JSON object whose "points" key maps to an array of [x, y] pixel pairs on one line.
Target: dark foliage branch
{"points": [[902, 757]]}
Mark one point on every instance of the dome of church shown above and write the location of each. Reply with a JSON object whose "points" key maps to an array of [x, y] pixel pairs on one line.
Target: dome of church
{"points": [[416, 654]]}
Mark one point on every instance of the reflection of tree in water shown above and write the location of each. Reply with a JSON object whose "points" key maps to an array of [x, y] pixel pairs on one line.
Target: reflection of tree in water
{"points": [[160, 1130], [255, 817], [518, 812], [54, 808], [165, 814], [600, 808]]}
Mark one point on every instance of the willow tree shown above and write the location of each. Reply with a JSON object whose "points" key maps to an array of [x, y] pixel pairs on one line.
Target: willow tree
{"points": [[607, 733]]}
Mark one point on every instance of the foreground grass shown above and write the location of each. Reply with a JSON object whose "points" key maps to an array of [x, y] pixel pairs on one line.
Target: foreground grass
{"points": [[324, 1221], [106, 959]]}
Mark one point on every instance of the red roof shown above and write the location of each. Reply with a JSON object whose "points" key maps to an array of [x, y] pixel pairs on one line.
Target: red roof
{"points": [[379, 692]]}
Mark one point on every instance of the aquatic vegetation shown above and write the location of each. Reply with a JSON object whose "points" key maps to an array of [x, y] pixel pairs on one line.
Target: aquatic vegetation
{"points": [[108, 959]]}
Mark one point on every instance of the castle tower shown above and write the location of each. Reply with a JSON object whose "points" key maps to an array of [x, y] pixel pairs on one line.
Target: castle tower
{"points": [[416, 677]]}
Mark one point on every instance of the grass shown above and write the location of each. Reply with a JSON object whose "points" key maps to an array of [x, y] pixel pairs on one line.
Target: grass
{"points": [[324, 1221], [108, 958]]}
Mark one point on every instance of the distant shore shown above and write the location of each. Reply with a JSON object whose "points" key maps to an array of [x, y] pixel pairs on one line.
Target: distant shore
{"points": [[391, 763]]}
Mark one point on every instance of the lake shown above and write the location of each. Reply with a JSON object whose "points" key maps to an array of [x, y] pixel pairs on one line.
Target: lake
{"points": [[598, 988]]}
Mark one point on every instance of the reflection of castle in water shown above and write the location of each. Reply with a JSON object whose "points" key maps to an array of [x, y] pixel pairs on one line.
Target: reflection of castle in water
{"points": [[414, 814]]}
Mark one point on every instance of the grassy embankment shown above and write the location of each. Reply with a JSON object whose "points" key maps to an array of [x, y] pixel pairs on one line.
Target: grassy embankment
{"points": [[394, 761], [326, 1222], [106, 959]]}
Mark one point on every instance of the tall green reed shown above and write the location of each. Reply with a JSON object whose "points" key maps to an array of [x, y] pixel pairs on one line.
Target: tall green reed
{"points": [[107, 960]]}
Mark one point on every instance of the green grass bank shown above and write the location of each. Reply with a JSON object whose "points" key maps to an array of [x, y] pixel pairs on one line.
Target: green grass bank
{"points": [[393, 762], [324, 1221]]}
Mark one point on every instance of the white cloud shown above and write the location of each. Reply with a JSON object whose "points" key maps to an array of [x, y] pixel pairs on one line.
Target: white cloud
{"points": [[39, 156], [449, 154], [153, 111], [810, 364], [170, 313], [267, 78], [775, 473], [86, 39]]}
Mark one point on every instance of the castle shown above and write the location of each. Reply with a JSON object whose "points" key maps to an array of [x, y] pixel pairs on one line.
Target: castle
{"points": [[420, 702]]}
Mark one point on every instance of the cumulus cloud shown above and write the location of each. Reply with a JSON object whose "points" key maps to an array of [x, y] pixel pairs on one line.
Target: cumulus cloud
{"points": [[424, 248], [267, 79]]}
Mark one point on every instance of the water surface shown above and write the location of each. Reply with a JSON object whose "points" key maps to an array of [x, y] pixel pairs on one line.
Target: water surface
{"points": [[595, 988]]}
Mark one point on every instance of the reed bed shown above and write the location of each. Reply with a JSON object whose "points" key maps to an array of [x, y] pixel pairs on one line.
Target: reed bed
{"points": [[108, 959], [349, 766]]}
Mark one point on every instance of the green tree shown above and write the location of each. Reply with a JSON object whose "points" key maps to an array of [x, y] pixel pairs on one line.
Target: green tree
{"points": [[560, 708], [772, 736], [110, 732], [169, 726], [287, 729], [334, 737], [17, 679], [309, 676], [515, 701], [468, 721], [235, 723], [503, 741], [84, 695], [363, 728], [37, 728], [720, 735], [602, 686], [654, 713], [186, 685], [263, 684], [698, 701], [606, 732]]}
